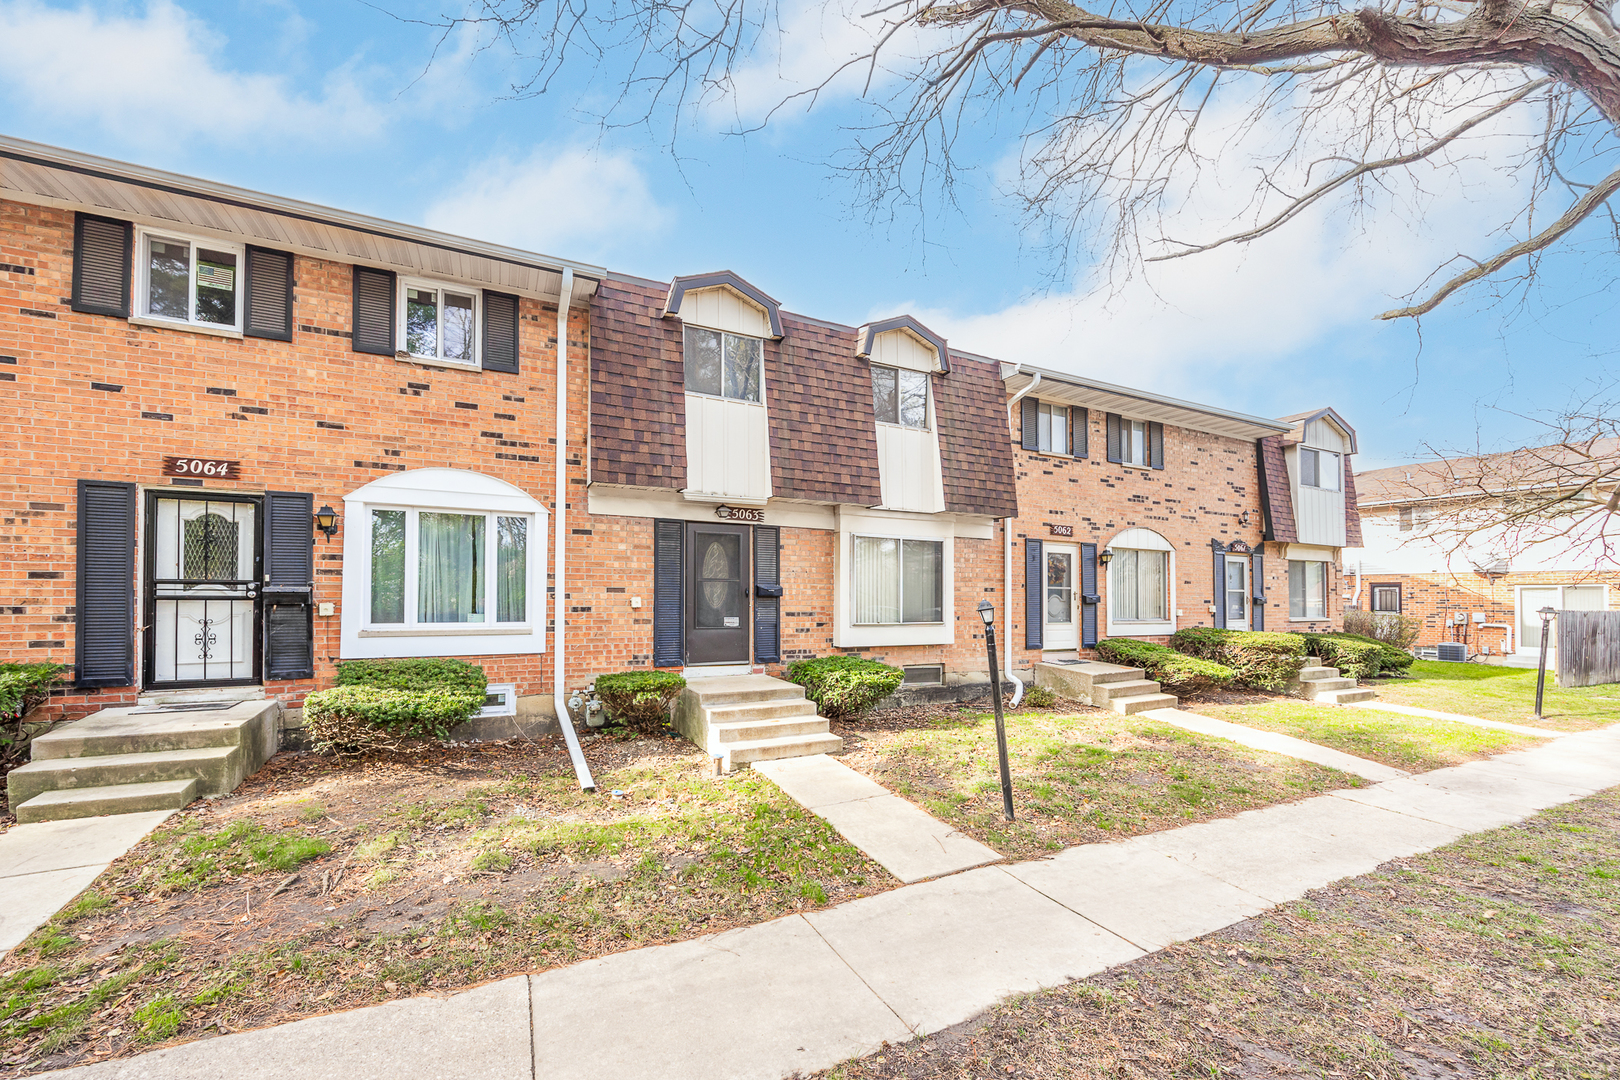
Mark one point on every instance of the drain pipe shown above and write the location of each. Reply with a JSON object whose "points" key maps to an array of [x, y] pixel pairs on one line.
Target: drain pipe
{"points": [[1033, 383], [1355, 600], [1006, 603], [559, 604]]}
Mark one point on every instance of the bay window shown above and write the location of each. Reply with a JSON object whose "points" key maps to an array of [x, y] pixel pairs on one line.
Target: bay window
{"points": [[898, 580], [197, 282], [1138, 586], [433, 567], [1307, 589]]}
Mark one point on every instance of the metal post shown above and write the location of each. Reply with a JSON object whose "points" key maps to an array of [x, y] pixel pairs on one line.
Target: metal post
{"points": [[1546, 614], [1001, 723]]}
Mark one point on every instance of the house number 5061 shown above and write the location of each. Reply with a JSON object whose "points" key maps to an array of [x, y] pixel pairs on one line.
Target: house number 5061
{"points": [[212, 468]]}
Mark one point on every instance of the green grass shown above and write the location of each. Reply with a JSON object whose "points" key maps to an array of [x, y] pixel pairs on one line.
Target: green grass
{"points": [[1492, 692], [189, 858], [1413, 743], [1081, 778]]}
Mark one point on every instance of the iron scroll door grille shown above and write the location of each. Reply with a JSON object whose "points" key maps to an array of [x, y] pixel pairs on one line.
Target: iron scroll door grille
{"points": [[203, 576]]}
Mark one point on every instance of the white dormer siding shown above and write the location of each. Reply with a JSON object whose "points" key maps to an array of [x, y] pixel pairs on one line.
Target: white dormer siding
{"points": [[1316, 475], [908, 456], [728, 446]]}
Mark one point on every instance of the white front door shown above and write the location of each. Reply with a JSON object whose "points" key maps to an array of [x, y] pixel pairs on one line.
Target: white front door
{"points": [[1237, 593], [1062, 616]]}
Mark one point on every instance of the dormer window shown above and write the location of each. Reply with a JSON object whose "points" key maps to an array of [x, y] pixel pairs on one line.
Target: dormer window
{"points": [[900, 397], [1319, 469], [723, 365]]}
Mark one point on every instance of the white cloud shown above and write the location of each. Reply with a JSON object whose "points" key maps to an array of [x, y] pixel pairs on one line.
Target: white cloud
{"points": [[154, 76], [569, 202]]}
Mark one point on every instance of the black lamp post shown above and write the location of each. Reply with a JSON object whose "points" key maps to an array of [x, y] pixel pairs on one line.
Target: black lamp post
{"points": [[1546, 614], [988, 613]]}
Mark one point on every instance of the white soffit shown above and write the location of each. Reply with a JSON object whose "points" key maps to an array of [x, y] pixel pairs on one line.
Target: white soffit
{"points": [[1139, 404], [45, 175]]}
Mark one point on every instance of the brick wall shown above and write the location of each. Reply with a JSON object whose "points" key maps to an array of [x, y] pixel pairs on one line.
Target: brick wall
{"points": [[1438, 598]]}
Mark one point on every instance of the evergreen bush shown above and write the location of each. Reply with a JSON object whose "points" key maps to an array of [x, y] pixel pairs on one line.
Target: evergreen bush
{"points": [[1176, 673], [377, 704], [1356, 658], [844, 686], [1261, 660], [640, 699]]}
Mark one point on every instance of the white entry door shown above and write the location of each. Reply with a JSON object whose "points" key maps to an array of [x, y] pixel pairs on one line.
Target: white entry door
{"points": [[1236, 597], [1062, 630]]}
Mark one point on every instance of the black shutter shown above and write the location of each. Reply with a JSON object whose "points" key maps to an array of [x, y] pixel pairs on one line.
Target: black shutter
{"points": [[289, 582], [669, 551], [767, 579], [1029, 419], [104, 649], [1034, 580], [1089, 597], [1257, 587], [373, 311], [267, 300], [103, 251], [1080, 430], [1156, 444], [1114, 453], [1220, 584], [500, 332]]}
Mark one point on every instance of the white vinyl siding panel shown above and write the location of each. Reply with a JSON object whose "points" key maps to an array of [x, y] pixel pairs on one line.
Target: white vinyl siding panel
{"points": [[1318, 512], [908, 469], [728, 449], [903, 349], [1324, 436], [723, 309]]}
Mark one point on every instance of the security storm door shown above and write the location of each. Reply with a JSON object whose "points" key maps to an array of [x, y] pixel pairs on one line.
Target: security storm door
{"points": [[1060, 616], [203, 578], [1236, 598], [718, 594]]}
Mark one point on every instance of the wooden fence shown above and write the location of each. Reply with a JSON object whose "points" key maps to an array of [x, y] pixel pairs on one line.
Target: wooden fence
{"points": [[1588, 647]]}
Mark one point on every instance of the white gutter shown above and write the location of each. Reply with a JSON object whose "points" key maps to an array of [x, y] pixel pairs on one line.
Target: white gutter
{"points": [[1035, 381], [559, 603]]}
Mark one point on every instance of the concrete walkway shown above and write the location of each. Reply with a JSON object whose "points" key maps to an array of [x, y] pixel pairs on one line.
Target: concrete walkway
{"points": [[805, 992], [905, 840], [45, 865], [1474, 721], [1276, 743]]}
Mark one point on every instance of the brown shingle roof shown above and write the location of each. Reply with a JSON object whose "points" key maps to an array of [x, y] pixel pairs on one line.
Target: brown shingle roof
{"points": [[975, 454], [1532, 466], [638, 405], [823, 434], [1352, 513], [1276, 496]]}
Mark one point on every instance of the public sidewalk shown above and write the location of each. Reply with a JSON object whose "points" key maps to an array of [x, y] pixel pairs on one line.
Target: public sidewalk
{"points": [[805, 992]]}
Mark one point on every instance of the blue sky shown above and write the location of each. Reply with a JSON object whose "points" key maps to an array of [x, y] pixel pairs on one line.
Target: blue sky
{"points": [[338, 103]]}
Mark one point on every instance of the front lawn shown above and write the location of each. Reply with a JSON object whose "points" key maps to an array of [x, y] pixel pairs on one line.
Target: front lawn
{"points": [[1413, 743], [1080, 775], [319, 886], [1495, 957], [1492, 692]]}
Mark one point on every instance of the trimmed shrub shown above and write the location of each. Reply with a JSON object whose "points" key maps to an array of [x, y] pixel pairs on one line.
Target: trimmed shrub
{"points": [[844, 685], [1356, 658], [640, 700], [1259, 659], [1391, 660], [350, 720], [417, 673], [1399, 632], [1177, 673], [22, 686]]}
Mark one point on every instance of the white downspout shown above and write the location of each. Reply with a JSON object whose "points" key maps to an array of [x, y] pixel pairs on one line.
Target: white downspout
{"points": [[1006, 600], [559, 604], [1355, 600], [1034, 381]]}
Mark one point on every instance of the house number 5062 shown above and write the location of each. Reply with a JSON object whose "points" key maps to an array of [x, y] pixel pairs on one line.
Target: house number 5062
{"points": [[212, 468]]}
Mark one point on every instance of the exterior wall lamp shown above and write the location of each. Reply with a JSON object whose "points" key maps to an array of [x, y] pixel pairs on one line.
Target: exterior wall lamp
{"points": [[1106, 556], [326, 520]]}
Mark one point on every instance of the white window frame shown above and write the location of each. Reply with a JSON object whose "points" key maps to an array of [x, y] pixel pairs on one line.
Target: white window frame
{"points": [[1045, 411], [1131, 451], [143, 269], [442, 287], [928, 399], [1336, 472], [721, 396], [856, 538], [1326, 597], [891, 525], [452, 491], [1138, 539], [507, 704]]}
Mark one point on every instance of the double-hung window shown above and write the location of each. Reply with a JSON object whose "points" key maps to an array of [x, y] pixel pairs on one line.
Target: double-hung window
{"points": [[1386, 599], [898, 580], [1133, 439], [1319, 469], [900, 397], [189, 281], [1052, 428], [723, 365], [441, 322], [1138, 586], [1307, 589], [433, 567]]}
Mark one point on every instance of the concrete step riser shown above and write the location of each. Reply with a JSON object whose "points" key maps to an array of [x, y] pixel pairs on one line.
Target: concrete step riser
{"points": [[750, 697], [1322, 686], [109, 745], [216, 770], [1102, 695], [824, 744], [1344, 697], [1131, 705], [99, 801], [1102, 678], [1307, 674], [775, 710], [771, 729]]}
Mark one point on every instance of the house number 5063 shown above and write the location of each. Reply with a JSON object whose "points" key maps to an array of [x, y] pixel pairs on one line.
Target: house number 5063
{"points": [[212, 468]]}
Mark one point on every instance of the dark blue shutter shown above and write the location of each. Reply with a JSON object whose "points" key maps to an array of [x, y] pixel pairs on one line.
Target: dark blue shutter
{"points": [[1115, 454], [267, 295], [1156, 444], [104, 646], [1080, 430], [1034, 582], [767, 594], [373, 320], [1257, 587], [1220, 583], [289, 584], [103, 251], [500, 333], [1089, 597], [1029, 418], [669, 544]]}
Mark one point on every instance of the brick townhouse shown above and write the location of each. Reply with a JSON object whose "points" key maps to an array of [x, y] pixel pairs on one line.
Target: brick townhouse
{"points": [[248, 436]]}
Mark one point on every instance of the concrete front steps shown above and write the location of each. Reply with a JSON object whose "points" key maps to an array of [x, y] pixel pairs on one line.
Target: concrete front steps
{"points": [[127, 760], [1101, 685], [1318, 683], [739, 719]]}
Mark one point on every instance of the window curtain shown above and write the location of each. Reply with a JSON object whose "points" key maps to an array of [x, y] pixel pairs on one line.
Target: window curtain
{"points": [[877, 580], [450, 568], [1137, 582], [922, 566]]}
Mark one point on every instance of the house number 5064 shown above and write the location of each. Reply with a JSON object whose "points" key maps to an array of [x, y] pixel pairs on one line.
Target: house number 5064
{"points": [[212, 468]]}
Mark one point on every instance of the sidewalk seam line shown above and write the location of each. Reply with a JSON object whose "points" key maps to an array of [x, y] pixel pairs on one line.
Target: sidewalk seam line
{"points": [[534, 1048], [1146, 950], [870, 988]]}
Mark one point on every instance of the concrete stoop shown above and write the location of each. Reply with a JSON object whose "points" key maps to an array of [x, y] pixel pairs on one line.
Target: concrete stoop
{"points": [[1318, 683], [1101, 685], [739, 719], [149, 757]]}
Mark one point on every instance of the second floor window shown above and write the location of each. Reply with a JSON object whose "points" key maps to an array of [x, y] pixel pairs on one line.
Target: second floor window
{"points": [[900, 396], [190, 281], [723, 365], [1052, 435], [1134, 443], [440, 323], [1318, 469]]}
